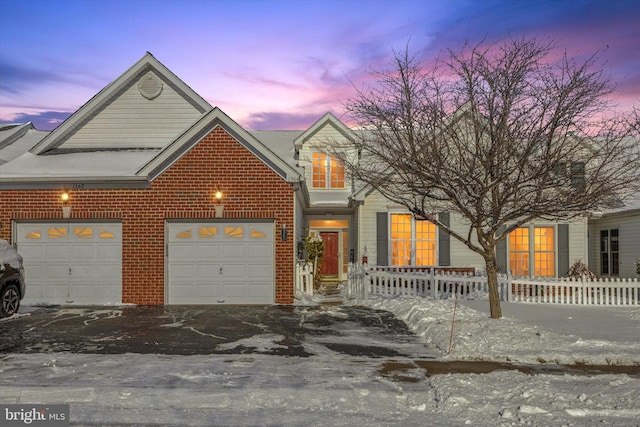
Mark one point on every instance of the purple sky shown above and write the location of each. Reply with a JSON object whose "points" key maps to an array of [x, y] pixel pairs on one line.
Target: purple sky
{"points": [[277, 64]]}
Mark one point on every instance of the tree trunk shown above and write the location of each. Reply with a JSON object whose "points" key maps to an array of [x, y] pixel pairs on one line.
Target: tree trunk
{"points": [[492, 279]]}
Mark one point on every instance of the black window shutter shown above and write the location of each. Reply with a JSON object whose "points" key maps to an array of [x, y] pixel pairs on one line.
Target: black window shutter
{"points": [[501, 254], [382, 238], [563, 249], [444, 241]]}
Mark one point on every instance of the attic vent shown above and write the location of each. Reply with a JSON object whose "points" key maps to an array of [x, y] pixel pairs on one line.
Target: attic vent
{"points": [[150, 86]]}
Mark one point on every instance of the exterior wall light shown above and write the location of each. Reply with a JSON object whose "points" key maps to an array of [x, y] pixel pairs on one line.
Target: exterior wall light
{"points": [[66, 206], [219, 206]]}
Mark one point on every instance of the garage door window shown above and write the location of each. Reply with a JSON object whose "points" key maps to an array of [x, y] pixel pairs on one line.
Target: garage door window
{"points": [[104, 234], [255, 234], [57, 232], [207, 232], [184, 234], [35, 234], [83, 233], [234, 232]]}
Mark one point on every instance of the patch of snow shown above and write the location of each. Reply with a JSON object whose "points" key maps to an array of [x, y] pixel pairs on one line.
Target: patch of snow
{"points": [[329, 388]]}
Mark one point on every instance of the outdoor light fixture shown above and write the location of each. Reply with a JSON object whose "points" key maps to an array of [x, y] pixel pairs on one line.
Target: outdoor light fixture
{"points": [[66, 207], [219, 207], [283, 233]]}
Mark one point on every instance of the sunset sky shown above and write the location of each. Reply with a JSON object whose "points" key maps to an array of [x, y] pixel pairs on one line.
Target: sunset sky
{"points": [[277, 64]]}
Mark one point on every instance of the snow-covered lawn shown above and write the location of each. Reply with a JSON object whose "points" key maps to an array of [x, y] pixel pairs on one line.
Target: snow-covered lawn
{"points": [[339, 390]]}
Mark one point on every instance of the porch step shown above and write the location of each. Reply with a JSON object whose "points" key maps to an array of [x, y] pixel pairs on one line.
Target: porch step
{"points": [[330, 293]]}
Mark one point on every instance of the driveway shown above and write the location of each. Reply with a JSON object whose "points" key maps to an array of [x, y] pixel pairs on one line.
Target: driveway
{"points": [[200, 330]]}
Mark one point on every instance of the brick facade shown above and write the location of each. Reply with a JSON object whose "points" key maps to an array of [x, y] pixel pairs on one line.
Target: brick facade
{"points": [[184, 191]]}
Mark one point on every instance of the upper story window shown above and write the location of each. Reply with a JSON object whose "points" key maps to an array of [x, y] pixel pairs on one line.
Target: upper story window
{"points": [[328, 171]]}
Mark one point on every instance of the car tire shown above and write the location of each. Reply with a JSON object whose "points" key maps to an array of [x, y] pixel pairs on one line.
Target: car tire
{"points": [[9, 300]]}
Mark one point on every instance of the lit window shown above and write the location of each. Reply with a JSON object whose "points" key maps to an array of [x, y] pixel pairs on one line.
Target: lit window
{"points": [[234, 232], [327, 171], [413, 242], [83, 232], [57, 232], [36, 234], [186, 234], [537, 244], [105, 234], [519, 252], [207, 232], [255, 234]]}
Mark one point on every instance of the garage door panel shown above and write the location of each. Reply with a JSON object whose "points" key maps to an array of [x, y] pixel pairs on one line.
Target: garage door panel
{"points": [[183, 271], [208, 290], [106, 252], [87, 253], [261, 251], [181, 251], [230, 261], [234, 272], [209, 251], [234, 251], [56, 253], [207, 271], [259, 271]]}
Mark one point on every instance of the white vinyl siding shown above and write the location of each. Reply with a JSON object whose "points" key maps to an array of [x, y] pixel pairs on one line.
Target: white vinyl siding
{"points": [[133, 121], [628, 227], [319, 142]]}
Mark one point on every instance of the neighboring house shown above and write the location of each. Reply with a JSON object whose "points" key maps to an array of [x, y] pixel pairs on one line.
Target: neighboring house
{"points": [[147, 164], [614, 246]]}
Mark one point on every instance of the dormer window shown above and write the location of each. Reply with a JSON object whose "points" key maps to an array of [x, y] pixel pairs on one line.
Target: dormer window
{"points": [[328, 171]]}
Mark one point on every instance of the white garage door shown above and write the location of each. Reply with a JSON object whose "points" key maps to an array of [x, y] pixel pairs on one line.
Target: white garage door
{"points": [[220, 263], [71, 263]]}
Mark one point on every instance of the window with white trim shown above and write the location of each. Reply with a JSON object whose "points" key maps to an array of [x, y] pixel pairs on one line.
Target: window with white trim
{"points": [[412, 241], [327, 171], [609, 252], [532, 250]]}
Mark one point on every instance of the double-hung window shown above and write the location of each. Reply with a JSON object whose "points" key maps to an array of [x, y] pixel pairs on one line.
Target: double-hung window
{"points": [[327, 171], [609, 252], [413, 242], [532, 250]]}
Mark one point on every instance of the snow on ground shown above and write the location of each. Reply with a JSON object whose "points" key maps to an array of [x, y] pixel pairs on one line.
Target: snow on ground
{"points": [[339, 390], [529, 333]]}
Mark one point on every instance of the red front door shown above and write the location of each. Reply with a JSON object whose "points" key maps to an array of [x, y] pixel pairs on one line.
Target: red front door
{"points": [[330, 259]]}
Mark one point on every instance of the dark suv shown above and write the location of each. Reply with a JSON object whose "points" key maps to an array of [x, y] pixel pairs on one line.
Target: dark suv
{"points": [[12, 285]]}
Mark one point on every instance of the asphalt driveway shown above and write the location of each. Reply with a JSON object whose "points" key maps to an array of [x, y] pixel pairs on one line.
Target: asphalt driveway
{"points": [[198, 330]]}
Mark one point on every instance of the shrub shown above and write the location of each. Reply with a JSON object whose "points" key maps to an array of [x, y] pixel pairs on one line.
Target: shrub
{"points": [[579, 269]]}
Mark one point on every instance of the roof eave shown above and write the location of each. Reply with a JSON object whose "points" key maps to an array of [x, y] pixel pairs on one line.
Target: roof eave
{"points": [[48, 183]]}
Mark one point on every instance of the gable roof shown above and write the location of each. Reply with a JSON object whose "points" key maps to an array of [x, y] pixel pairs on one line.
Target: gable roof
{"points": [[327, 119], [99, 147], [146, 107], [204, 126]]}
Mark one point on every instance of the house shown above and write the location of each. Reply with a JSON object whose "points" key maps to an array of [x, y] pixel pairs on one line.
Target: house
{"points": [[139, 167], [149, 195]]}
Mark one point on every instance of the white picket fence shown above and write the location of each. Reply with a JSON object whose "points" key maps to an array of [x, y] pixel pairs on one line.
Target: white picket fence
{"points": [[364, 281], [304, 279]]}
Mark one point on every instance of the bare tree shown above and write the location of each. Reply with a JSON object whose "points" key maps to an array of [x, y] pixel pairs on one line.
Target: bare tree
{"points": [[500, 135]]}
